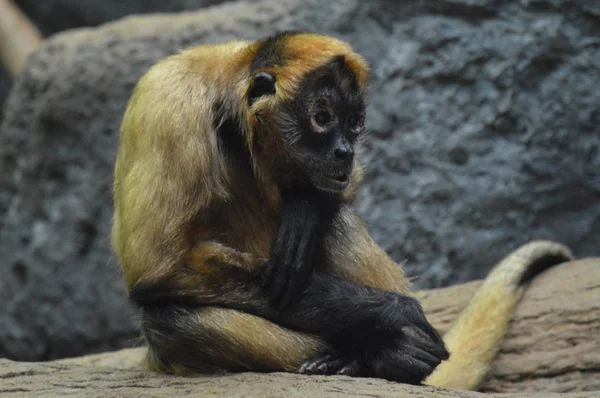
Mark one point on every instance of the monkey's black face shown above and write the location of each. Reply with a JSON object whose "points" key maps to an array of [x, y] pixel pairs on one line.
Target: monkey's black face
{"points": [[328, 117], [329, 123], [321, 126]]}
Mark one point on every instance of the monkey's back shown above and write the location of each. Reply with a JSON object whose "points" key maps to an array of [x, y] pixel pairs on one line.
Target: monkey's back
{"points": [[169, 168]]}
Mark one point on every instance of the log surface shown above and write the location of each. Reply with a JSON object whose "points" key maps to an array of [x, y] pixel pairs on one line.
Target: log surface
{"points": [[51, 379], [553, 343], [552, 346]]}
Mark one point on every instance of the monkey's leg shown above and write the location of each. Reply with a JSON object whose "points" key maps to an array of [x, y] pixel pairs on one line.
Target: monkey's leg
{"points": [[355, 320], [212, 339], [208, 339]]}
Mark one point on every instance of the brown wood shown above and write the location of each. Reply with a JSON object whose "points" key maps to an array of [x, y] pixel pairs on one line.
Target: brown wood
{"points": [[18, 37], [553, 345]]}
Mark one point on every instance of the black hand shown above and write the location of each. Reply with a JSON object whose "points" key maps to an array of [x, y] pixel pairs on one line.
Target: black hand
{"points": [[288, 270], [415, 351], [396, 343], [409, 357], [409, 360]]}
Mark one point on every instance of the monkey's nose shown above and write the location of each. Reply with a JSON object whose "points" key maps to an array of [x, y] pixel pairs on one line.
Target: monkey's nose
{"points": [[343, 152]]}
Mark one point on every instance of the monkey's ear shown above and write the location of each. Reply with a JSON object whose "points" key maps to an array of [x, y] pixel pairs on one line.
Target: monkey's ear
{"points": [[262, 84]]}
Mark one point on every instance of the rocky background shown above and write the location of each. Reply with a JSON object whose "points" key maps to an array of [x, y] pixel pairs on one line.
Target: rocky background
{"points": [[52, 16], [484, 134]]}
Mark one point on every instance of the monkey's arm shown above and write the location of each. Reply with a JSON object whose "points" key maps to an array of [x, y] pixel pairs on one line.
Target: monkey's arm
{"points": [[290, 266], [216, 275], [346, 315], [351, 253], [477, 333]]}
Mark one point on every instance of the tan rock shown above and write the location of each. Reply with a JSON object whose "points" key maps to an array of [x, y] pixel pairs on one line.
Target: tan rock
{"points": [[553, 345]]}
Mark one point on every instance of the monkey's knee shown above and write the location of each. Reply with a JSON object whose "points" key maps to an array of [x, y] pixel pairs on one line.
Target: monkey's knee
{"points": [[210, 339]]}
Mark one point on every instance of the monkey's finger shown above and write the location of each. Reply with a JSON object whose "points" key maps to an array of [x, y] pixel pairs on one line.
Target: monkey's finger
{"points": [[416, 370], [333, 366], [424, 356], [284, 299], [418, 320], [277, 256], [279, 286], [296, 265], [310, 366], [431, 332], [305, 260], [296, 285], [283, 284], [271, 266], [300, 272], [351, 369], [402, 368], [437, 349], [294, 291], [268, 271], [422, 339], [287, 294]]}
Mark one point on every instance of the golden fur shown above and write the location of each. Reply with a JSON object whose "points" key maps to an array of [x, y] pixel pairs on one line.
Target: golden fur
{"points": [[182, 208]]}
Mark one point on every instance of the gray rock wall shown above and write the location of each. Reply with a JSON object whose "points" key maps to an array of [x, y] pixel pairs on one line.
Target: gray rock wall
{"points": [[53, 16], [5, 85], [484, 118]]}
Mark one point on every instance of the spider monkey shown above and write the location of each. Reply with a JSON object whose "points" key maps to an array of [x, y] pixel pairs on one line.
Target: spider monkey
{"points": [[237, 169]]}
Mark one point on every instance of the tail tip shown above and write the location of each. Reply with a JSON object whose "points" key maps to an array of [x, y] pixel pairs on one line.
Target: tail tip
{"points": [[545, 255]]}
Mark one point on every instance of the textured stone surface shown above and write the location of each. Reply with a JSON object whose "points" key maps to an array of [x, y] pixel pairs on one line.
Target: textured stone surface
{"points": [[5, 85], [51, 16], [484, 124], [553, 345], [57, 380]]}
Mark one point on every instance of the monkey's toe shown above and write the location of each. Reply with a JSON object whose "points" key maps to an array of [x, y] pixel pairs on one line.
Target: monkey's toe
{"points": [[329, 365], [352, 368], [310, 366]]}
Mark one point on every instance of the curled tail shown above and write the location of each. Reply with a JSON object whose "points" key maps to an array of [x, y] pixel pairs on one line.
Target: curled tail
{"points": [[475, 337]]}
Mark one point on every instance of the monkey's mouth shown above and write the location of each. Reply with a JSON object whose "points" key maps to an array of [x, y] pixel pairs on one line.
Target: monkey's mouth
{"points": [[339, 177], [332, 181]]}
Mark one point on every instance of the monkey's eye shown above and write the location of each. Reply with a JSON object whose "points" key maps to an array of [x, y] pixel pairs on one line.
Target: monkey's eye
{"points": [[356, 121], [263, 84], [353, 121], [322, 118]]}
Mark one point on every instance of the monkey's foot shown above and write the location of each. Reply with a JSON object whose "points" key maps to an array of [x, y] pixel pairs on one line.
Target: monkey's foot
{"points": [[331, 364]]}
